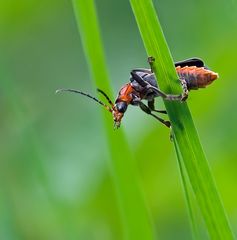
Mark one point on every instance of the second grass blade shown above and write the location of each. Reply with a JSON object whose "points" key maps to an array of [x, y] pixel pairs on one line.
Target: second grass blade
{"points": [[136, 222]]}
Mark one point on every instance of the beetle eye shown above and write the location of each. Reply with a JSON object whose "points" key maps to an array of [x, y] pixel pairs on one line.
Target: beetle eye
{"points": [[121, 106]]}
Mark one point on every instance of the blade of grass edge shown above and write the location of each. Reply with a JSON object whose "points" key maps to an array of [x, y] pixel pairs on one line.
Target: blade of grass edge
{"points": [[134, 214], [187, 194], [183, 127]]}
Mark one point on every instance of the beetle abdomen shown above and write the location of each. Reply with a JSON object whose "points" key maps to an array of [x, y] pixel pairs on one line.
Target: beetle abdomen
{"points": [[196, 77]]}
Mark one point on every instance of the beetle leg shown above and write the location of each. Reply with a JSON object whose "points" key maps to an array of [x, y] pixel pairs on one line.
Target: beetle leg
{"points": [[151, 105], [170, 97], [184, 95], [185, 89], [147, 110], [151, 60], [144, 70], [135, 100], [138, 79], [144, 84]]}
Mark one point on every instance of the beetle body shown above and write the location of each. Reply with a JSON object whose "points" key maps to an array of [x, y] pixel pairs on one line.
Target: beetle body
{"points": [[193, 74]]}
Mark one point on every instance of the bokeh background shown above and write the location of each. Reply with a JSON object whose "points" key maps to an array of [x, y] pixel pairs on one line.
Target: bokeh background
{"points": [[55, 181]]}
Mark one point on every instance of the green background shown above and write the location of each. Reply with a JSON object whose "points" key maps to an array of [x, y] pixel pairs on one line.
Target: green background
{"points": [[54, 171]]}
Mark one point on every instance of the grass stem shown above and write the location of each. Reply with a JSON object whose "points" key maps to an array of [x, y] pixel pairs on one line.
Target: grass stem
{"points": [[188, 142], [134, 213]]}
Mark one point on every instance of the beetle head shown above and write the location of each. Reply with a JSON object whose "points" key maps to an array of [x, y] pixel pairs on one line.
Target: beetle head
{"points": [[118, 111]]}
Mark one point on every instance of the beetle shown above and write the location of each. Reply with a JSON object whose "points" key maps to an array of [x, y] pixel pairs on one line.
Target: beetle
{"points": [[192, 72]]}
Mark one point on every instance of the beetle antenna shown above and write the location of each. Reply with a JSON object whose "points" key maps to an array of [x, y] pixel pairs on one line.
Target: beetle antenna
{"points": [[85, 94], [106, 96]]}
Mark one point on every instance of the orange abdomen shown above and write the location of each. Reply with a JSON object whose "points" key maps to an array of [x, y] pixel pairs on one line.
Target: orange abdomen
{"points": [[196, 77]]}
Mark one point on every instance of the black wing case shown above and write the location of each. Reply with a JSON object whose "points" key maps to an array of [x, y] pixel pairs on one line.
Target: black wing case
{"points": [[190, 62]]}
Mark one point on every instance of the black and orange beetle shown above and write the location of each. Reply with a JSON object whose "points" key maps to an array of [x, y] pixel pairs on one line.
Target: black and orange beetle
{"points": [[193, 74]]}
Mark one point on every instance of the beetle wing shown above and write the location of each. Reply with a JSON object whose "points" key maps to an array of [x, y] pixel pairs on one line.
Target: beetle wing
{"points": [[190, 63]]}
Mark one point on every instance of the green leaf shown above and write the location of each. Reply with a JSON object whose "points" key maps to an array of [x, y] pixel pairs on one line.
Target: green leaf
{"points": [[135, 217], [182, 124]]}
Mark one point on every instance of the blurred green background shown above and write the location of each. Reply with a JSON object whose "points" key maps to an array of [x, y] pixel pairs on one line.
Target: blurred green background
{"points": [[54, 175]]}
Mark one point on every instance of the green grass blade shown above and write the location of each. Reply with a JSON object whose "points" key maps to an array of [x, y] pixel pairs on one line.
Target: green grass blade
{"points": [[135, 218], [182, 124], [187, 193]]}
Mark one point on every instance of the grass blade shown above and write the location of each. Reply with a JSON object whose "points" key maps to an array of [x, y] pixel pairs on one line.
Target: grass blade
{"points": [[136, 222], [187, 193], [182, 124]]}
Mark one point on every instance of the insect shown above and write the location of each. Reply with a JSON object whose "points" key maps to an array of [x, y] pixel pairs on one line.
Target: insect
{"points": [[193, 74]]}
